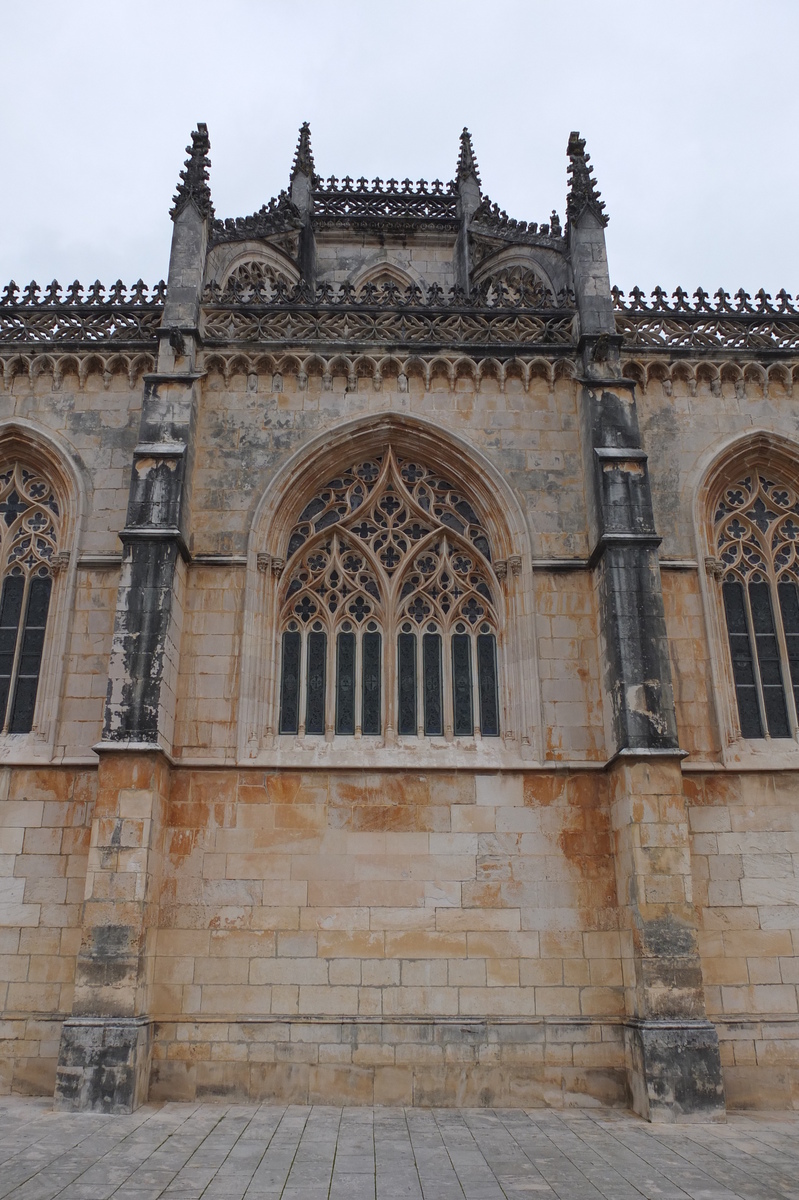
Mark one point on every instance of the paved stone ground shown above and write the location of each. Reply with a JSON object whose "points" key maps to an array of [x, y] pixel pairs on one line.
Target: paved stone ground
{"points": [[221, 1152]]}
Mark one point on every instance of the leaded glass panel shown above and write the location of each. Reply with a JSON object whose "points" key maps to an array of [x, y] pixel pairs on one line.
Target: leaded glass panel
{"points": [[371, 682], [345, 684], [463, 716]]}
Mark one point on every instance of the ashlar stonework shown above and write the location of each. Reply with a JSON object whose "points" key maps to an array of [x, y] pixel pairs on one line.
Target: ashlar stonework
{"points": [[399, 667]]}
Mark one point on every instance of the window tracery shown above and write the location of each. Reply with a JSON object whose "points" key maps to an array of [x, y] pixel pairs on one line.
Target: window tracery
{"points": [[756, 537], [389, 609], [253, 281], [516, 285], [29, 538]]}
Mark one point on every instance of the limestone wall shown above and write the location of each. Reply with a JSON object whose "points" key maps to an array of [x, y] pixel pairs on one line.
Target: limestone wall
{"points": [[745, 854], [45, 825]]}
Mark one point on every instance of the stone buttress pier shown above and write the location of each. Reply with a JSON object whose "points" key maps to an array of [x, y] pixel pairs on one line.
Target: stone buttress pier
{"points": [[104, 1063], [673, 1063]]}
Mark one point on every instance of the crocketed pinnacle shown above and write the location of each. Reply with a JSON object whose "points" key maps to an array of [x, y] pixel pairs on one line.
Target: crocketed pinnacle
{"points": [[467, 163], [303, 156], [583, 191], [193, 186]]}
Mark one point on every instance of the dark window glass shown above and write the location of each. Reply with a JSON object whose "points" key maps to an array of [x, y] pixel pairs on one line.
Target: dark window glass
{"points": [[30, 659], [487, 684], [462, 685], [789, 607], [371, 647], [406, 680], [290, 684], [315, 701], [10, 610], [742, 662], [345, 683], [431, 658], [768, 657]]}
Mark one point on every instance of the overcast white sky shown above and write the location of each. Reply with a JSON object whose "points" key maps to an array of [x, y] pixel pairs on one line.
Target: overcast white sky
{"points": [[689, 108]]}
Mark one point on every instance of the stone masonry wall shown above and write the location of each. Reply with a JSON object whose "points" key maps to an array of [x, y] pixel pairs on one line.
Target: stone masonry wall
{"points": [[302, 897], [45, 824], [745, 854]]}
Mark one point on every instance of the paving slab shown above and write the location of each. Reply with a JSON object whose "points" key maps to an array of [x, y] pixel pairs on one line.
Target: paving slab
{"points": [[291, 1152]]}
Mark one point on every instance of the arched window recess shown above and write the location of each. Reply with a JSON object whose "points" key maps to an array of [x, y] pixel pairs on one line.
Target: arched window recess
{"points": [[389, 609], [756, 540], [30, 530]]}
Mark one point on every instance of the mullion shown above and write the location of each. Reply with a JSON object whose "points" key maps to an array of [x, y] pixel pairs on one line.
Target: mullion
{"points": [[11, 608], [789, 612], [768, 658], [29, 659], [744, 667]]}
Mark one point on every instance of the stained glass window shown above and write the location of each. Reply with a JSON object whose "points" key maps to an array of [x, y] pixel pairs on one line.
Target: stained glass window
{"points": [[29, 529], [756, 538], [390, 557]]}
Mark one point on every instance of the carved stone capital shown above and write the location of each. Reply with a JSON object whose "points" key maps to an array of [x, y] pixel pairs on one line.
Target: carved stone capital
{"points": [[501, 568], [264, 562], [714, 566], [277, 567], [59, 562], [515, 564]]}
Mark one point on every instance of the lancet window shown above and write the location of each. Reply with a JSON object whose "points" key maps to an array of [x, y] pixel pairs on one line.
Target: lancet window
{"points": [[756, 539], [29, 531], [389, 609]]}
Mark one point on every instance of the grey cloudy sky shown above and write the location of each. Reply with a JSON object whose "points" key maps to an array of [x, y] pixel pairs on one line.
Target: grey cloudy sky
{"points": [[689, 108]]}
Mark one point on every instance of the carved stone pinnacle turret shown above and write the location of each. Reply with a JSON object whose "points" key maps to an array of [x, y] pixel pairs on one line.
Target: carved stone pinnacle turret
{"points": [[193, 186], [583, 190], [303, 156], [467, 162]]}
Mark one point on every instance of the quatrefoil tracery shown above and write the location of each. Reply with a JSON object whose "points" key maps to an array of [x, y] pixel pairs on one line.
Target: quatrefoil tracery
{"points": [[757, 530], [29, 521], [389, 536]]}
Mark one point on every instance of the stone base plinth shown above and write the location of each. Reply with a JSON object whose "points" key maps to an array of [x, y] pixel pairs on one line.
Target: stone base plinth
{"points": [[674, 1070], [427, 1062], [103, 1064]]}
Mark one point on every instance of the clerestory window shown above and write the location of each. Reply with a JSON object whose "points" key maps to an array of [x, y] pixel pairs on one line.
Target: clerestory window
{"points": [[389, 609], [756, 536], [29, 531]]}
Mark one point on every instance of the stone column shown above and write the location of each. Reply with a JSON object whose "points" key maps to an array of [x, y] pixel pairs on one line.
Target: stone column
{"points": [[104, 1060], [674, 1068]]}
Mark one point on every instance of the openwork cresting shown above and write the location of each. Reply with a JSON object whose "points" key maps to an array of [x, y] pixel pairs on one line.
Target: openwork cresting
{"points": [[711, 323]]}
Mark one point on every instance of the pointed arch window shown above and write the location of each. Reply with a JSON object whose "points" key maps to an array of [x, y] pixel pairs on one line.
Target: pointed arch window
{"points": [[389, 609], [29, 536], [756, 536]]}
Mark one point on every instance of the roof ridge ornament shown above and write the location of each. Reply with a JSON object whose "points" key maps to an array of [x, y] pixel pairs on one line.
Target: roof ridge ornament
{"points": [[467, 160], [303, 163], [193, 187], [583, 191]]}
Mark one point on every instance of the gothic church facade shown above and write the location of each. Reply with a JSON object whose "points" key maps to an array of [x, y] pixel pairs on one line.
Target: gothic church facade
{"points": [[399, 666]]}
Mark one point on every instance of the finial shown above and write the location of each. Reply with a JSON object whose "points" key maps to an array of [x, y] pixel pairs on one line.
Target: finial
{"points": [[583, 191], [467, 163], [303, 156], [193, 184]]}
